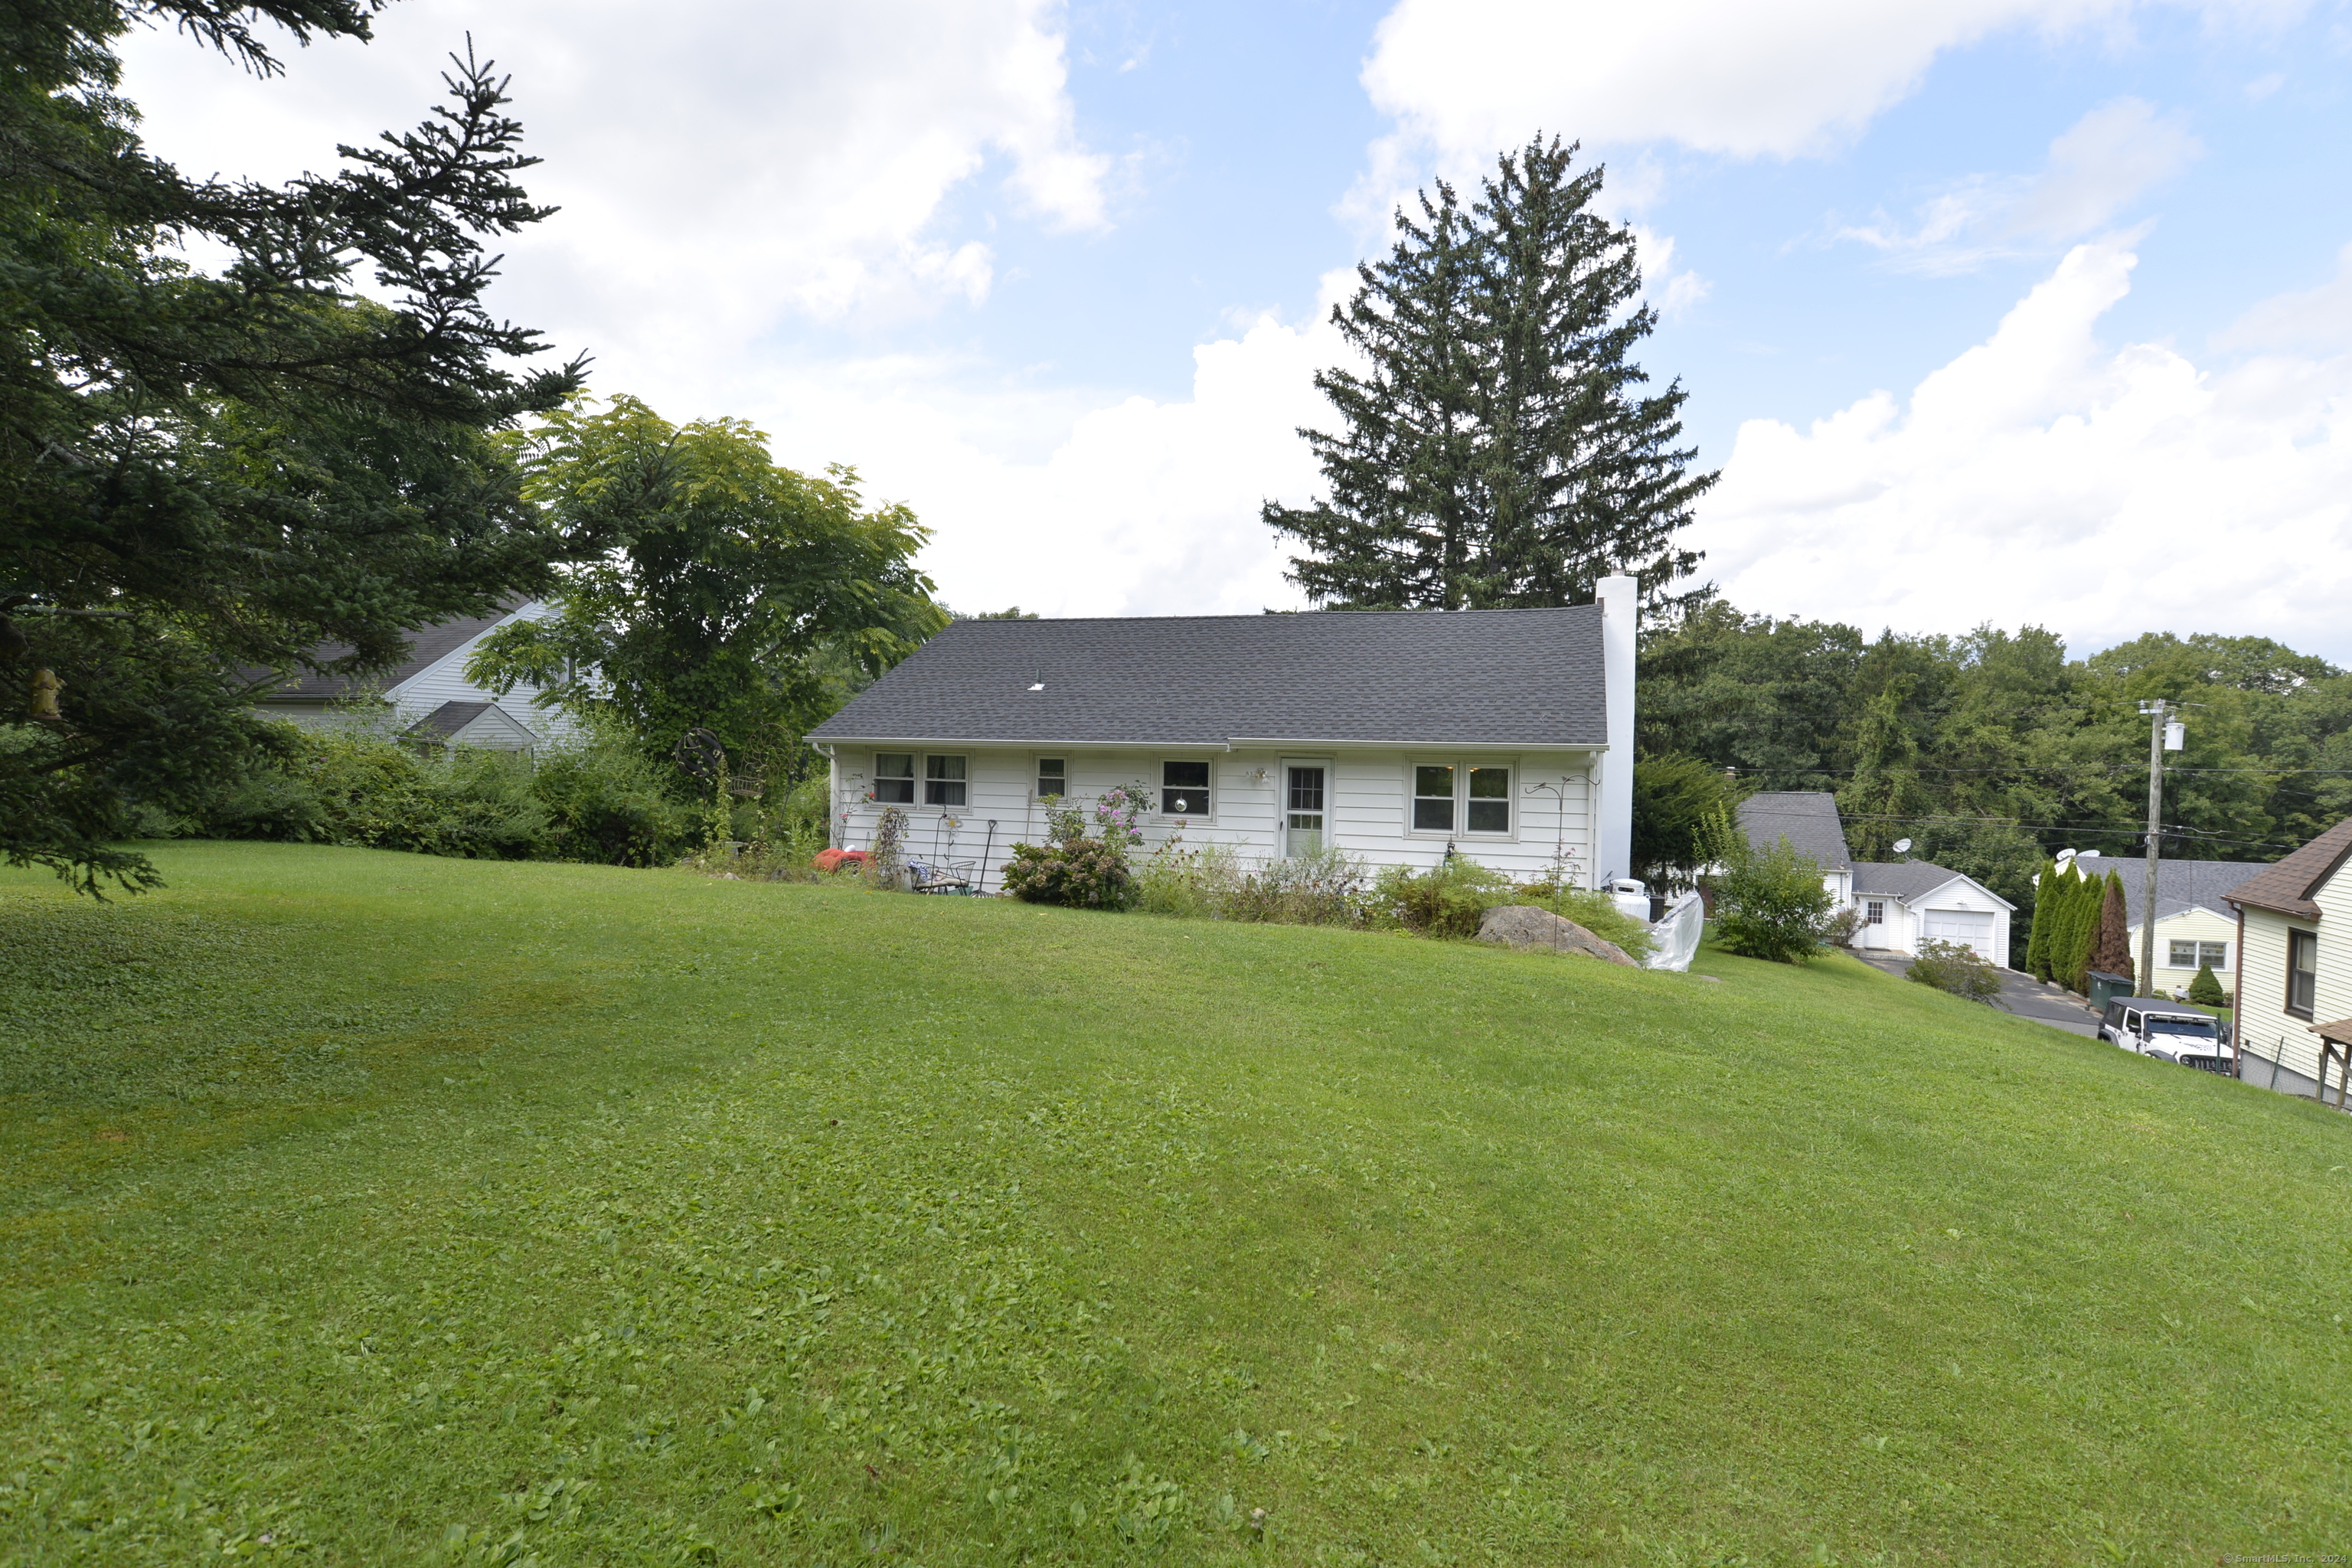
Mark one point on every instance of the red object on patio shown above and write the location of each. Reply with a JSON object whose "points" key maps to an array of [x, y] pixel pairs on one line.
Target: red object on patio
{"points": [[834, 859]]}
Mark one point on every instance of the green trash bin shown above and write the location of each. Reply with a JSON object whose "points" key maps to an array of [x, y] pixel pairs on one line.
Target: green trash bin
{"points": [[2106, 988]]}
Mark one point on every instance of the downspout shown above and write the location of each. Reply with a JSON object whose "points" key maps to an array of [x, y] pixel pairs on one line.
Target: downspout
{"points": [[832, 797], [2237, 1003]]}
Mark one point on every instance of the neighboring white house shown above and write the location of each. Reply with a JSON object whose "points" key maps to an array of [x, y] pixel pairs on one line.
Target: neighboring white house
{"points": [[1503, 735], [1903, 903], [1898, 904], [2294, 1000], [426, 697], [2194, 921]]}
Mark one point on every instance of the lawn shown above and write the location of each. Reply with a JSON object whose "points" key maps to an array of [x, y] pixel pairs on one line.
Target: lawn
{"points": [[376, 1208]]}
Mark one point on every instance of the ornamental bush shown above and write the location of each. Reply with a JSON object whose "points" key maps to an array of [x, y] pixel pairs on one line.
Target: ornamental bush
{"points": [[1956, 967], [1447, 900], [1076, 874], [2206, 990], [1769, 903]]}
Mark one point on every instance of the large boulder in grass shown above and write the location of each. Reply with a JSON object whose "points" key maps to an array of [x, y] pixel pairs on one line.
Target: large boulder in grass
{"points": [[1523, 926]]}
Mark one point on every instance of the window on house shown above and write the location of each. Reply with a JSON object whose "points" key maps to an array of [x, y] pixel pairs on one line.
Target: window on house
{"points": [[894, 778], [2302, 971], [1874, 912], [943, 780], [1052, 776], [1490, 800], [1433, 798], [1184, 789], [2194, 954]]}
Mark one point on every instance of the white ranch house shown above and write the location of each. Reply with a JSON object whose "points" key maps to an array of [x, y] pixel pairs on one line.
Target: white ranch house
{"points": [[1505, 735]]}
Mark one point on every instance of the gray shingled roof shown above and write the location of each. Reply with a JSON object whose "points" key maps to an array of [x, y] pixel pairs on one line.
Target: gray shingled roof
{"points": [[2286, 885], [447, 719], [1907, 879], [1514, 677], [427, 646], [1809, 817], [2180, 884]]}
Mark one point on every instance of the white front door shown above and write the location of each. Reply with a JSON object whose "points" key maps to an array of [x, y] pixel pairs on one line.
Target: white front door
{"points": [[1303, 808], [1967, 926]]}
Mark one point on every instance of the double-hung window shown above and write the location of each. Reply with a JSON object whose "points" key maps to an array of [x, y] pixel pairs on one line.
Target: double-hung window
{"points": [[943, 780], [1433, 798], [1473, 799], [1184, 789], [1490, 800], [2302, 971], [2215, 955], [1052, 776], [894, 778]]}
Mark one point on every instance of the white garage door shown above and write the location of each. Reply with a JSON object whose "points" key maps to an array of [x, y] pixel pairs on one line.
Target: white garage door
{"points": [[1960, 925]]}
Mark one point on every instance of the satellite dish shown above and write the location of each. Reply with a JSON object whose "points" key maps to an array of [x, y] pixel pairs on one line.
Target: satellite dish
{"points": [[1902, 847]]}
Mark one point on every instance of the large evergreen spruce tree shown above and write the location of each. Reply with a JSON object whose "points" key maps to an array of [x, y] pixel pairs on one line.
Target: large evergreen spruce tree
{"points": [[203, 476], [1496, 450]]}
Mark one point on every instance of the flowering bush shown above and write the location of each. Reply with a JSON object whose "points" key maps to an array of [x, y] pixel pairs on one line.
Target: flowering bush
{"points": [[1120, 811], [1081, 874]]}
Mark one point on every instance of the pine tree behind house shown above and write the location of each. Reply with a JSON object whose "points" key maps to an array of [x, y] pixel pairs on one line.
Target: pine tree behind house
{"points": [[1495, 451]]}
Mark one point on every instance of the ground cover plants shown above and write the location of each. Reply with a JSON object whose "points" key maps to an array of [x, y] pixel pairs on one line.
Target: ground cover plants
{"points": [[370, 1208]]}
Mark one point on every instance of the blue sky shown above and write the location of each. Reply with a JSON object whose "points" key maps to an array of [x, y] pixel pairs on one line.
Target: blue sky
{"points": [[1988, 311]]}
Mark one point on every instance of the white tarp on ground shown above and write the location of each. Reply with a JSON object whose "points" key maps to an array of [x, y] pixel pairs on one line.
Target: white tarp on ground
{"points": [[1676, 934]]}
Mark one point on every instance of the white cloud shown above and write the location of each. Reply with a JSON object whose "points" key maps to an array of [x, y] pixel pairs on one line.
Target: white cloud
{"points": [[1138, 508], [2316, 318], [2096, 168], [721, 168], [1466, 78], [2101, 164], [1471, 77], [2040, 477]]}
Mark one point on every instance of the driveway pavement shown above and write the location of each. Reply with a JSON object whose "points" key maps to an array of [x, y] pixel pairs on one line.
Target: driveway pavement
{"points": [[2020, 994]]}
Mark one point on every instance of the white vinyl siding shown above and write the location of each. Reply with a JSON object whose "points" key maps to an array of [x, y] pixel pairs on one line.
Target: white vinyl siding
{"points": [[1365, 803]]}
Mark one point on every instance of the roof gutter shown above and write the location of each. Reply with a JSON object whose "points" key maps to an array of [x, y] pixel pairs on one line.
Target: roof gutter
{"points": [[1229, 745]]}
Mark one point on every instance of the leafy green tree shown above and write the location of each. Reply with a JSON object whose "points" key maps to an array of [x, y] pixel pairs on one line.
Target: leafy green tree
{"points": [[1674, 798], [204, 475], [1769, 903], [1885, 800], [742, 595], [1497, 450]]}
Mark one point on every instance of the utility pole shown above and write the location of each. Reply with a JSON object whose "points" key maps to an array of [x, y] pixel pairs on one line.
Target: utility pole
{"points": [[2163, 735]]}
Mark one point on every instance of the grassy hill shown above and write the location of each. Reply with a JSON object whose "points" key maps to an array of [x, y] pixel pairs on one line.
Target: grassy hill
{"points": [[373, 1208]]}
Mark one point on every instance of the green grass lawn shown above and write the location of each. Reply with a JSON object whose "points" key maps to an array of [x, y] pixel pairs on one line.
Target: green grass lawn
{"points": [[379, 1208]]}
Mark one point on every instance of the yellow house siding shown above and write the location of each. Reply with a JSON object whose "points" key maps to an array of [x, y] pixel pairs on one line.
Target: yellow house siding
{"points": [[2266, 1029], [2189, 925]]}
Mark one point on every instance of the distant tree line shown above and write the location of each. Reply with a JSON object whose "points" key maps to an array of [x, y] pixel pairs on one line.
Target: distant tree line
{"points": [[1993, 750]]}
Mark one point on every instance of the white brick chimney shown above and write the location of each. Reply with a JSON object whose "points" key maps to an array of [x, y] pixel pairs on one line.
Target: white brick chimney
{"points": [[1612, 835]]}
